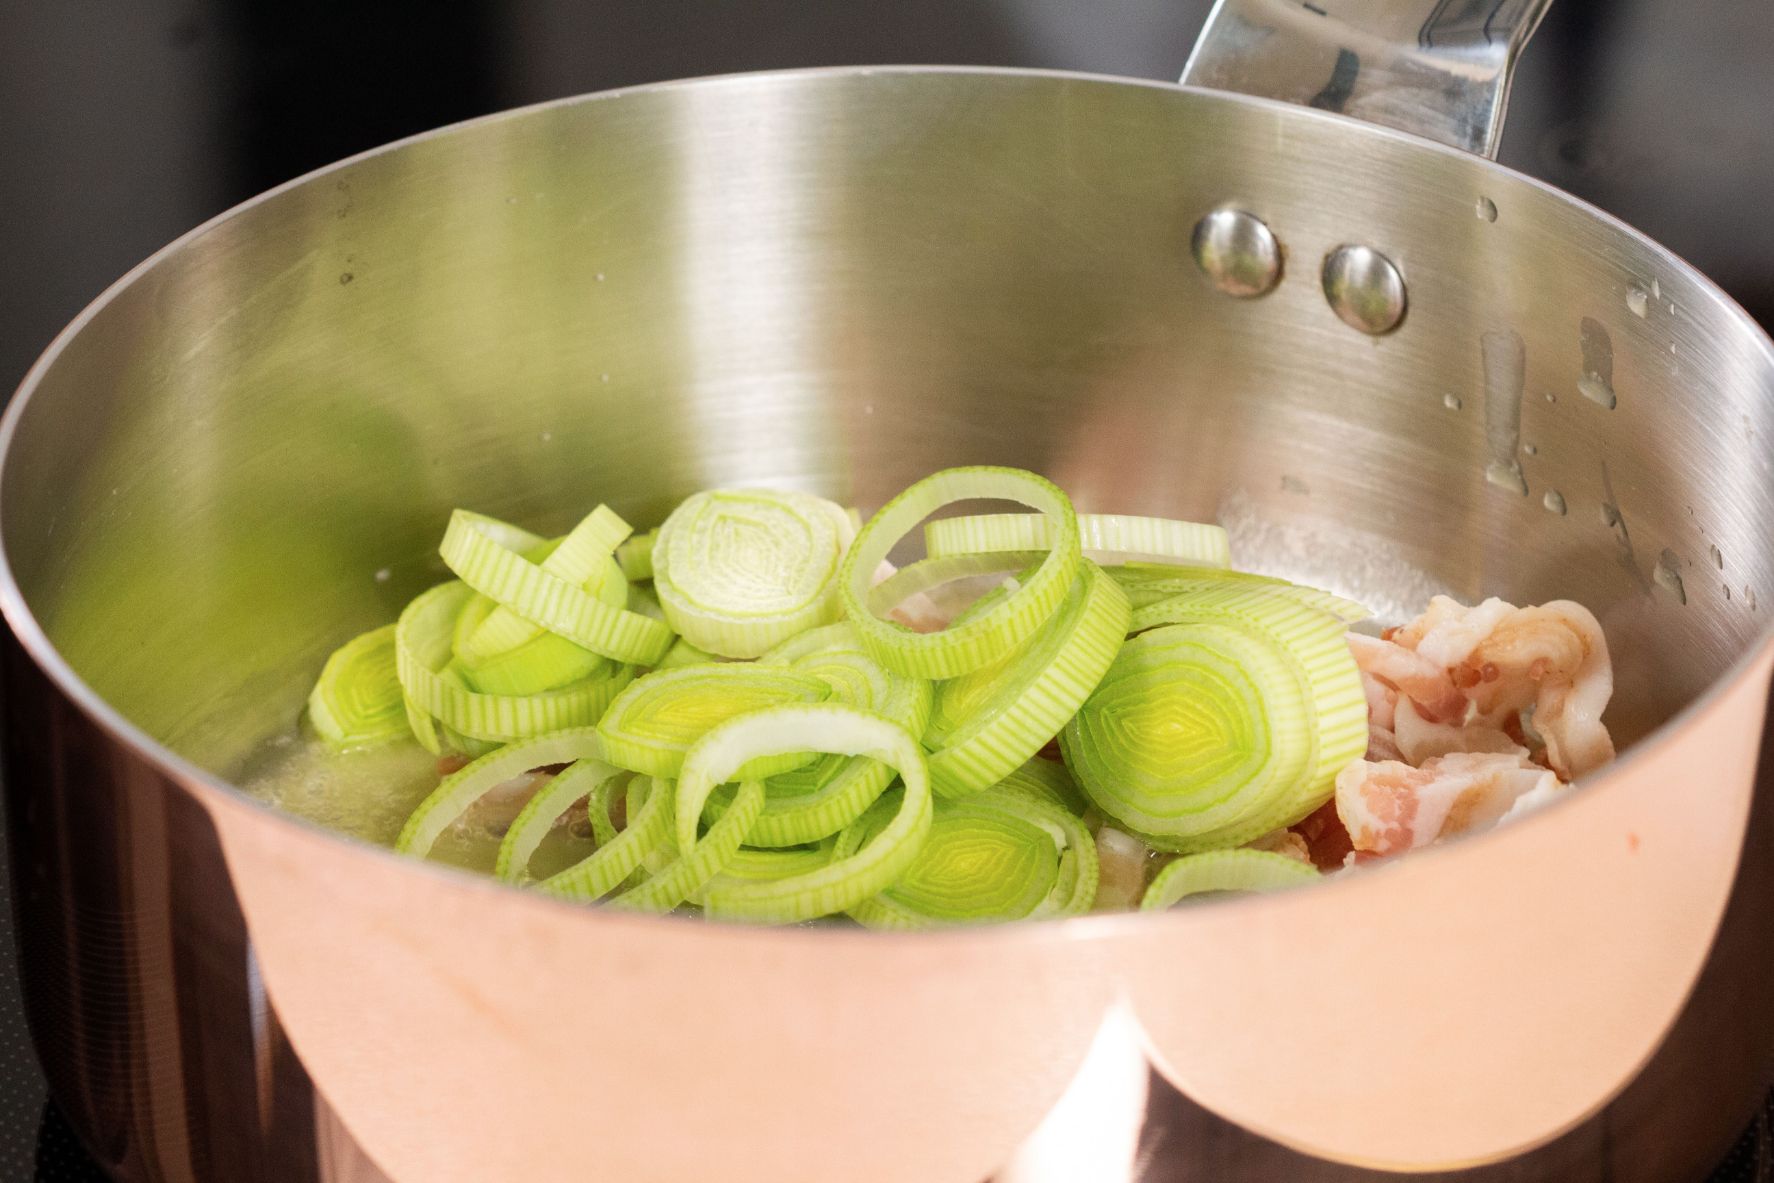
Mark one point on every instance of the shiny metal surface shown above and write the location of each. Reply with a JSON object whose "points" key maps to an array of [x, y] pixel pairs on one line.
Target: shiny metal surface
{"points": [[1364, 289], [1438, 68], [1237, 252], [839, 281]]}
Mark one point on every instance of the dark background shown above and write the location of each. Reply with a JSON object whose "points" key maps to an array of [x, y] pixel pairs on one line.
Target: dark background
{"points": [[124, 123]]}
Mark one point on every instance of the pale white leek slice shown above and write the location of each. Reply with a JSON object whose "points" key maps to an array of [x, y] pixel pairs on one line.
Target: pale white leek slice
{"points": [[740, 571]]}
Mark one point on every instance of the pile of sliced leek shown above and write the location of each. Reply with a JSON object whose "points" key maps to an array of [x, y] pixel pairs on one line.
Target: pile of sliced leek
{"points": [[734, 706]]}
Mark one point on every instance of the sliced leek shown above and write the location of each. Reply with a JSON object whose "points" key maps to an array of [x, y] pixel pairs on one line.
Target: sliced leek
{"points": [[1224, 871], [1315, 644], [472, 549], [460, 790], [423, 639], [1046, 780], [844, 881], [643, 602], [583, 780], [1147, 584], [582, 557], [811, 803], [787, 747], [1196, 727], [752, 865], [357, 701], [991, 856], [635, 556], [652, 724], [619, 855], [987, 723], [506, 654], [990, 636], [696, 861], [740, 571], [597, 809], [1105, 536], [684, 653]]}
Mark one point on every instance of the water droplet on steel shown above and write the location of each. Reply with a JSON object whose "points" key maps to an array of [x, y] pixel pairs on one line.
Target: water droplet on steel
{"points": [[384, 575], [1668, 575], [1505, 358], [1718, 557], [1531, 449], [1638, 300], [1452, 402], [1597, 381], [1487, 209], [1554, 501]]}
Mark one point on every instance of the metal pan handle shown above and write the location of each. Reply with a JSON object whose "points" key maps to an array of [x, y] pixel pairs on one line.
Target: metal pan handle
{"points": [[1438, 68]]}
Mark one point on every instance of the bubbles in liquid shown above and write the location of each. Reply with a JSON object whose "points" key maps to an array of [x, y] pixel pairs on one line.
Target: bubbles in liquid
{"points": [[1554, 501], [1452, 402], [1638, 300], [1487, 209], [367, 793]]}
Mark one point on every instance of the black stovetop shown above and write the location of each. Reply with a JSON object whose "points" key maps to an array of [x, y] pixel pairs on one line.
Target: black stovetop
{"points": [[124, 124]]}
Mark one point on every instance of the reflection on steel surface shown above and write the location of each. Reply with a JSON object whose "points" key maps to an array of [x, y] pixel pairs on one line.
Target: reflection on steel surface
{"points": [[1442, 73]]}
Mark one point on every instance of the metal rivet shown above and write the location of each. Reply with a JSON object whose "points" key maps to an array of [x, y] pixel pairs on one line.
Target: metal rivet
{"points": [[1237, 252], [1364, 289]]}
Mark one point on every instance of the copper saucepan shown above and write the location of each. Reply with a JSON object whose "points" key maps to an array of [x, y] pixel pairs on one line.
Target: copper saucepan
{"points": [[1389, 365]]}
